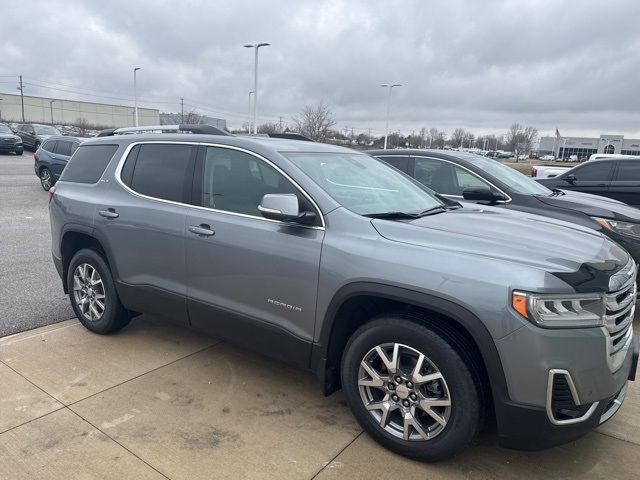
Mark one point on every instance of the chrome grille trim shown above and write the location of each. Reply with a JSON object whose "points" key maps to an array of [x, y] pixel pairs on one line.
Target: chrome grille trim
{"points": [[615, 404], [618, 321]]}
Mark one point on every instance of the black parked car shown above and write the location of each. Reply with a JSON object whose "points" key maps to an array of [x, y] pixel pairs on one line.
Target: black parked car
{"points": [[471, 178], [617, 178], [9, 141], [33, 134], [51, 158]]}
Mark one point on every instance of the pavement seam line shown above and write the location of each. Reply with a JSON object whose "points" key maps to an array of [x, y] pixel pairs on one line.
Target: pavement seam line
{"points": [[62, 407], [29, 381], [117, 442], [616, 438], [218, 342], [337, 455]]}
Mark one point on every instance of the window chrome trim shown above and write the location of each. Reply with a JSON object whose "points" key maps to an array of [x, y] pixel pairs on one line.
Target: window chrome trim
{"points": [[574, 394], [509, 199], [124, 156]]}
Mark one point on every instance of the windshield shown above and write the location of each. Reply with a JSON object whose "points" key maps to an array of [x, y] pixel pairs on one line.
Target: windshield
{"points": [[514, 180], [5, 129], [364, 184], [46, 130]]}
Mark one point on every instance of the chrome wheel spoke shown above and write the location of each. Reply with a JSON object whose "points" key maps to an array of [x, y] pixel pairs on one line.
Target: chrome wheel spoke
{"points": [[375, 381], [385, 407], [411, 422], [88, 292], [391, 364]]}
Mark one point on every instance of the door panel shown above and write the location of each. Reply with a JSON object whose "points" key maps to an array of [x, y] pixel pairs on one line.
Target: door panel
{"points": [[252, 270]]}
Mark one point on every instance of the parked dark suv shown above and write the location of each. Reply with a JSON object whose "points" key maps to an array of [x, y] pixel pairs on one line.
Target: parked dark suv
{"points": [[9, 141], [51, 158], [471, 178], [34, 134], [429, 316], [617, 178]]}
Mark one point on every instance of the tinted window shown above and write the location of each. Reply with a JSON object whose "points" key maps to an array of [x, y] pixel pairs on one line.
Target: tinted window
{"points": [[74, 147], [46, 130], [63, 147], [161, 171], [401, 163], [628, 171], [235, 181], [445, 177], [5, 129], [597, 171], [88, 163], [48, 145]]}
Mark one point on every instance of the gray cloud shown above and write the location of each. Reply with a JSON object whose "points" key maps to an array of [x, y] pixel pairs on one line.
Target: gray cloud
{"points": [[479, 65]]}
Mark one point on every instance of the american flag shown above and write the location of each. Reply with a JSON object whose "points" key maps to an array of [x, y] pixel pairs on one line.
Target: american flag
{"points": [[557, 133]]}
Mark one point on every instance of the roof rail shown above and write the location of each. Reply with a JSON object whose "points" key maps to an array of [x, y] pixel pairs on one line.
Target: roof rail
{"points": [[291, 136], [198, 129]]}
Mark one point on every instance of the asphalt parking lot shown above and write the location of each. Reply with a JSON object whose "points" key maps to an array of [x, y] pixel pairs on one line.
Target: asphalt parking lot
{"points": [[30, 290]]}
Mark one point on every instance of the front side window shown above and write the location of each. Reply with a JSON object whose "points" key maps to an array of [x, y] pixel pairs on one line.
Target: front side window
{"points": [[159, 170], [363, 184], [509, 177], [445, 177], [236, 181], [401, 163], [596, 171]]}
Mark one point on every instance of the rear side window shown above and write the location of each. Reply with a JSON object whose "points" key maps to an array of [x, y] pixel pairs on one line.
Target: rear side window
{"points": [[628, 171], [88, 163], [63, 147], [160, 171]]}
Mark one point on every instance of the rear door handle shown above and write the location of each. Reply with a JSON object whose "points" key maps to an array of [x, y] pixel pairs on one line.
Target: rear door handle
{"points": [[202, 230], [109, 213]]}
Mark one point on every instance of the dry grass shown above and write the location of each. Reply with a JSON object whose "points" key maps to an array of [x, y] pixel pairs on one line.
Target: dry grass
{"points": [[524, 166]]}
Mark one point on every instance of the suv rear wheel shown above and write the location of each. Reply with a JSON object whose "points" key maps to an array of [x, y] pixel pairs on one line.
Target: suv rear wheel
{"points": [[46, 179], [93, 294], [411, 389]]}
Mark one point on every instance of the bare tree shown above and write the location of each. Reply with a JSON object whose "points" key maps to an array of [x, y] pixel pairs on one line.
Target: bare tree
{"points": [[269, 127], [192, 117], [315, 121], [519, 138], [83, 125], [437, 138], [458, 137]]}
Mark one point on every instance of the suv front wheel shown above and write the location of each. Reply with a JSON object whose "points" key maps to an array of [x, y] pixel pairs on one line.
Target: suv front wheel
{"points": [[411, 389], [93, 294]]}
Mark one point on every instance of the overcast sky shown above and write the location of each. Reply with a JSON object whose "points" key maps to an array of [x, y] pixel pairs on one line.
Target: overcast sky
{"points": [[479, 65]]}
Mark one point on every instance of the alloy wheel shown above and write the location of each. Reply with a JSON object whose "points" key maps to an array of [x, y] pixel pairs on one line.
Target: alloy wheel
{"points": [[45, 178], [404, 392], [88, 292]]}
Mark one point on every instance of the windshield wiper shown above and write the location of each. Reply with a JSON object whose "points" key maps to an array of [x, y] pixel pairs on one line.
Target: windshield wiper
{"points": [[556, 192], [433, 210], [392, 215]]}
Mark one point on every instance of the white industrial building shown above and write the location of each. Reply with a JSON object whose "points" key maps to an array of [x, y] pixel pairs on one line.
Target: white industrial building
{"points": [[583, 147], [67, 112]]}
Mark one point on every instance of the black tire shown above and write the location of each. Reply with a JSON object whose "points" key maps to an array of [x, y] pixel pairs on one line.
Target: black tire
{"points": [[464, 388], [114, 316], [19, 151], [36, 146], [46, 179]]}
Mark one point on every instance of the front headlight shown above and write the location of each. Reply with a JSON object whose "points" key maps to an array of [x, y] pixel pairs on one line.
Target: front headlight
{"points": [[623, 228], [560, 311]]}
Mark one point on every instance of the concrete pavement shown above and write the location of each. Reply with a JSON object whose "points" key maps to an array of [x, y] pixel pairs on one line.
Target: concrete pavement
{"points": [[160, 401]]}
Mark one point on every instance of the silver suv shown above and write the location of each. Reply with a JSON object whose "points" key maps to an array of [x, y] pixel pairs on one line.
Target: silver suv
{"points": [[430, 317]]}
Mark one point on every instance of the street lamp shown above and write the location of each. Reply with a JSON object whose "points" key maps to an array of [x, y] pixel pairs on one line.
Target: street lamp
{"points": [[135, 94], [390, 87], [51, 107], [251, 92], [255, 46]]}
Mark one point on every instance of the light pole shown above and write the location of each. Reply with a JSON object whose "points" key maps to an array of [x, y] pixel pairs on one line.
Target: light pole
{"points": [[0, 109], [51, 107], [564, 148], [250, 93], [255, 46], [135, 94], [390, 87]]}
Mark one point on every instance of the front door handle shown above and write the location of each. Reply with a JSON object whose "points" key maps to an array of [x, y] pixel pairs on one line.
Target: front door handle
{"points": [[202, 230], [109, 213]]}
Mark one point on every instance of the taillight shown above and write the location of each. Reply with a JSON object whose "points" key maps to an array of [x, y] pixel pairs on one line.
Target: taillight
{"points": [[35, 155], [52, 191], [534, 172]]}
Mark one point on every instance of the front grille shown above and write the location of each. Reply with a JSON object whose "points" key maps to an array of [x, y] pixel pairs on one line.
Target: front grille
{"points": [[620, 308]]}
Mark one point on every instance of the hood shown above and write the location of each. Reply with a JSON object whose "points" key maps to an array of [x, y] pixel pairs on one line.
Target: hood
{"points": [[593, 205], [9, 136], [548, 244]]}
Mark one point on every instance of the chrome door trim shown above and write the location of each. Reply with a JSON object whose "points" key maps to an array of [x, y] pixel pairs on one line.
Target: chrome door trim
{"points": [[124, 156]]}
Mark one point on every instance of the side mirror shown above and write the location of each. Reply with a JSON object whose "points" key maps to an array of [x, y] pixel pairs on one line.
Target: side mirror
{"points": [[284, 207], [482, 194], [570, 179]]}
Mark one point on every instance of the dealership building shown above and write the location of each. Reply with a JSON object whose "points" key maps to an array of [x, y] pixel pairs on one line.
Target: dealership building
{"points": [[583, 147]]}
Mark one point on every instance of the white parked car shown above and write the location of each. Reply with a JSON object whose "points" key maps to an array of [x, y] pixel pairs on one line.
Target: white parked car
{"points": [[544, 171]]}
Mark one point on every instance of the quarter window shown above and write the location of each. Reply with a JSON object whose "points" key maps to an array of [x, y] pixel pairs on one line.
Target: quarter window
{"points": [[88, 164], [63, 147], [235, 181], [161, 171], [628, 171], [48, 145]]}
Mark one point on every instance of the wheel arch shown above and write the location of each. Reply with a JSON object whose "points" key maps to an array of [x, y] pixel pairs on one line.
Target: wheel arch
{"points": [[356, 303], [76, 238]]}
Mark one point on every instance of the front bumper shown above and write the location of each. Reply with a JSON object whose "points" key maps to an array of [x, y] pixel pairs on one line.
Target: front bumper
{"points": [[4, 147], [525, 427]]}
